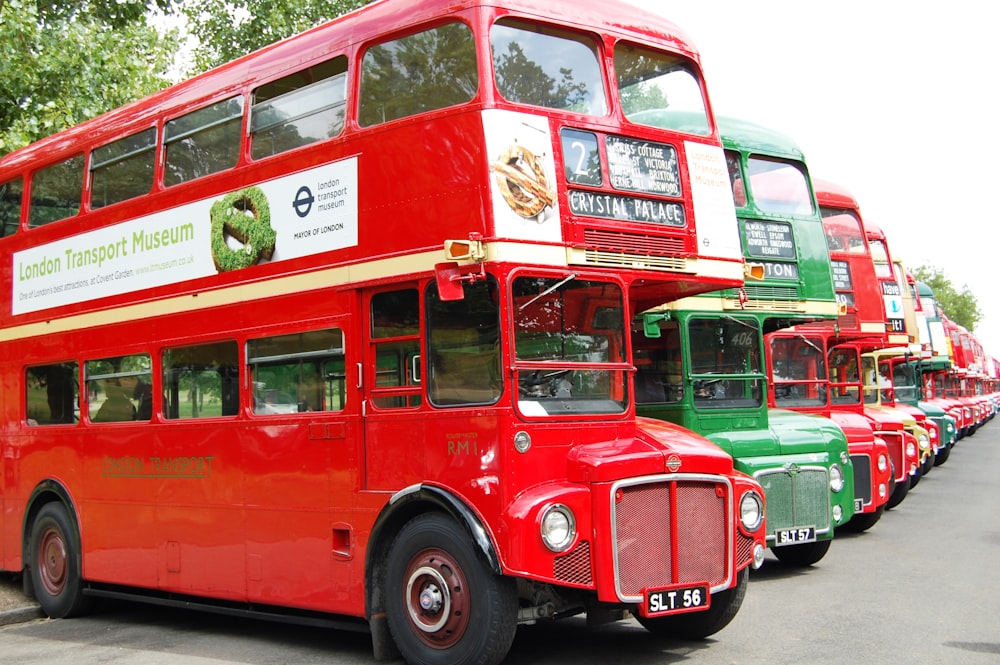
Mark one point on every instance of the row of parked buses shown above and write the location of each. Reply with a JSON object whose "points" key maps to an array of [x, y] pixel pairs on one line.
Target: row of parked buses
{"points": [[446, 317]]}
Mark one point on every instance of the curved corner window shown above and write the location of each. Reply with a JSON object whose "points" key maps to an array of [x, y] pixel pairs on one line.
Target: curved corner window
{"points": [[418, 73], [660, 90], [543, 67]]}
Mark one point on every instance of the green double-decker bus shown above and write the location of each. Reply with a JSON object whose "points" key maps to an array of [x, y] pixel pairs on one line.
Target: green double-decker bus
{"points": [[701, 363]]}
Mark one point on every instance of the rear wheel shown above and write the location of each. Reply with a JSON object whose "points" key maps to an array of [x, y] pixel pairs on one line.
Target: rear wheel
{"points": [[805, 554], [55, 563], [699, 625], [444, 605]]}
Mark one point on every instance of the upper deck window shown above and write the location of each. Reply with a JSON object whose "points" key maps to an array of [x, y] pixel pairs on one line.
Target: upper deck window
{"points": [[56, 192], [660, 90], [779, 187], [843, 231], [418, 73], [123, 169], [203, 142], [10, 206], [544, 67], [303, 108]]}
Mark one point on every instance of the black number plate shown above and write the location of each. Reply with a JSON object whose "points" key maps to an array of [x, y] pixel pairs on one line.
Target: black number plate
{"points": [[676, 599], [805, 534]]}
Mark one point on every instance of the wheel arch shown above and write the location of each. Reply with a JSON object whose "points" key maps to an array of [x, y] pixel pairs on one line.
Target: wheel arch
{"points": [[47, 491], [404, 506]]}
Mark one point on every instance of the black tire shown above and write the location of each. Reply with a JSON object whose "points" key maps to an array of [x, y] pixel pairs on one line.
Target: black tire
{"points": [[863, 521], [927, 465], [54, 560], [444, 605], [699, 625], [942, 455], [898, 494], [803, 555]]}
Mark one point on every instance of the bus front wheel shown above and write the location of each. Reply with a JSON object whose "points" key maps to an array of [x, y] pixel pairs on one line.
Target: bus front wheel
{"points": [[805, 554], [699, 625], [444, 605], [55, 563]]}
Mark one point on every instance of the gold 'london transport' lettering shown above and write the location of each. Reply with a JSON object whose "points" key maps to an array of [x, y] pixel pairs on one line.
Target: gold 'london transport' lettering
{"points": [[129, 466]]}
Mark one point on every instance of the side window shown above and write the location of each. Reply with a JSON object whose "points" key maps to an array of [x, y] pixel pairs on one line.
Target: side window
{"points": [[395, 332], [119, 389], [203, 142], [418, 73], [300, 109], [201, 381], [549, 68], [122, 170], [463, 342], [52, 395], [56, 192], [298, 372], [10, 206]]}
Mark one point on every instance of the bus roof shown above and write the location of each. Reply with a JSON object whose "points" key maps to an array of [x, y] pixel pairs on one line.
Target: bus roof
{"points": [[738, 134], [833, 195], [375, 21]]}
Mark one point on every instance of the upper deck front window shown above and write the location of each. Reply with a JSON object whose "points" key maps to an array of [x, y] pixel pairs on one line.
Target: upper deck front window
{"points": [[569, 346], [543, 67], [779, 187], [660, 90], [843, 231]]}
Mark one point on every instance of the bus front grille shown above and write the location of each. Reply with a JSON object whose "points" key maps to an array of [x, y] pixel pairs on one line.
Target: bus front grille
{"points": [[654, 521], [796, 497], [862, 478]]}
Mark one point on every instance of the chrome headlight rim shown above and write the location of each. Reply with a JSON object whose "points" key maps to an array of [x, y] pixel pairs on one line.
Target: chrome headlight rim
{"points": [[751, 511], [837, 481], [557, 527]]}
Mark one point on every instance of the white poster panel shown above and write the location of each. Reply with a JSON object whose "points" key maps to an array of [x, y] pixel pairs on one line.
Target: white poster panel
{"points": [[298, 215]]}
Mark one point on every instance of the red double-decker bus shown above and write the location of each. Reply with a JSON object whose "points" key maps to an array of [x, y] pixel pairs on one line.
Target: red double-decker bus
{"points": [[336, 333]]}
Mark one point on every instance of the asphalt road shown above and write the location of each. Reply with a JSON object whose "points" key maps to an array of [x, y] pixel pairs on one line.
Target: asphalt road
{"points": [[921, 587]]}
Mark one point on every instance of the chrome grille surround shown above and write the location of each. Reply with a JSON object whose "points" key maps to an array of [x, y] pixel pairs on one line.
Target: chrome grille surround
{"points": [[695, 522]]}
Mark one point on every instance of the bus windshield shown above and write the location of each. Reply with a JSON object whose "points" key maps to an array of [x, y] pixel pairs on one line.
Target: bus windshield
{"points": [[569, 346], [799, 369], [725, 362]]}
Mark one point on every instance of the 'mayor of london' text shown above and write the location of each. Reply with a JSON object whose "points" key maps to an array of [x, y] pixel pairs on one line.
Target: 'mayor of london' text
{"points": [[73, 259]]}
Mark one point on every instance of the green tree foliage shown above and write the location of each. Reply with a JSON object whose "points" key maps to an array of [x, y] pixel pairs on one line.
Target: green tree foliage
{"points": [[66, 61], [959, 305], [228, 29]]}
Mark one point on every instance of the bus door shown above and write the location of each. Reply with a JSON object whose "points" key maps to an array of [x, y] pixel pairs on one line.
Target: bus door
{"points": [[300, 461], [392, 389]]}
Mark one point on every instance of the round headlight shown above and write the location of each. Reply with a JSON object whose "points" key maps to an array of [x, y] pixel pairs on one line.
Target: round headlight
{"points": [[911, 449], [924, 441], [836, 478], [883, 463], [751, 511], [558, 528]]}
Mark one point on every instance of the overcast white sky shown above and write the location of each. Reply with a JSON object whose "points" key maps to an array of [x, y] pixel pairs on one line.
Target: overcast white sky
{"points": [[895, 101]]}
